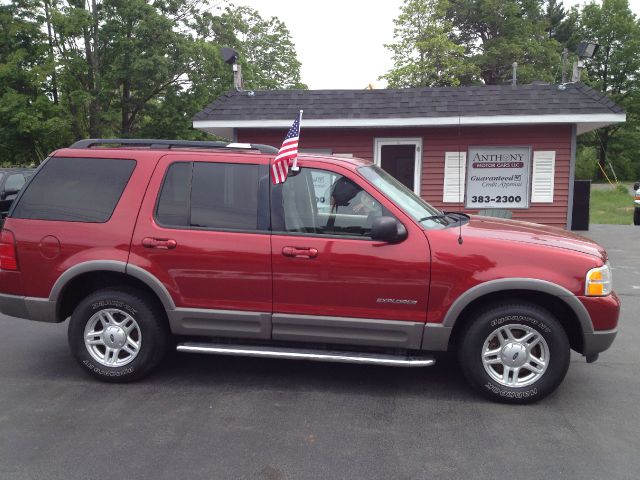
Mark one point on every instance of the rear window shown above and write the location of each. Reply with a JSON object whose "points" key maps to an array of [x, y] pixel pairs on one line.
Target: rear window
{"points": [[75, 190]]}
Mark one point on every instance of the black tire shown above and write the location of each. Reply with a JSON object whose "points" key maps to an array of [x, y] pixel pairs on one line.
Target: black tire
{"points": [[531, 318], [150, 330], [636, 216]]}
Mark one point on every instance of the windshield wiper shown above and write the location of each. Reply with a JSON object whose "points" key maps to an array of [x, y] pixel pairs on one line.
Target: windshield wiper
{"points": [[434, 217], [454, 216], [457, 213]]}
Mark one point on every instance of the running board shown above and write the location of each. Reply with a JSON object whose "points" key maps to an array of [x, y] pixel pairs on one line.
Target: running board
{"points": [[304, 354]]}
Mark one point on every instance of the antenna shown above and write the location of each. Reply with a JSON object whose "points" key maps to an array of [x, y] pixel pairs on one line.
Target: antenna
{"points": [[230, 56]]}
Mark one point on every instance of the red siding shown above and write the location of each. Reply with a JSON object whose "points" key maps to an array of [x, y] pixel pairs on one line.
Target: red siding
{"points": [[437, 141]]}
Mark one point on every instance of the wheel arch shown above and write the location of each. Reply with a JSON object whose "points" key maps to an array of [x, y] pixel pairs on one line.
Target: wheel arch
{"points": [[83, 279], [560, 302]]}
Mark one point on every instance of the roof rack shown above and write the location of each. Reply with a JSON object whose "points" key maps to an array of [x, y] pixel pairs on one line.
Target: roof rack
{"points": [[166, 144]]}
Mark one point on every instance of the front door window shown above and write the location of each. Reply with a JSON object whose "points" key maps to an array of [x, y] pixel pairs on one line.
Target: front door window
{"points": [[325, 203]]}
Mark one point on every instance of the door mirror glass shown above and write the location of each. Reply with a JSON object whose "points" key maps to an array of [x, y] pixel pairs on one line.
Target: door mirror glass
{"points": [[388, 229]]}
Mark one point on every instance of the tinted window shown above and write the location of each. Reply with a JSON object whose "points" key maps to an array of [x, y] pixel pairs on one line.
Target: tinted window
{"points": [[14, 182], [75, 190], [173, 205], [325, 203], [210, 195]]}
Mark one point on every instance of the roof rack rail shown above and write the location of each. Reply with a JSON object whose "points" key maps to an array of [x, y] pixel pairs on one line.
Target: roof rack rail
{"points": [[162, 144]]}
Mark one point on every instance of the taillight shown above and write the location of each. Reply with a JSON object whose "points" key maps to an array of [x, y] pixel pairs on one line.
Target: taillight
{"points": [[8, 258]]}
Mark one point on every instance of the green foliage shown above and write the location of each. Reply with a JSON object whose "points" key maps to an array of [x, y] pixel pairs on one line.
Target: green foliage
{"points": [[463, 42], [611, 206], [130, 68], [586, 163], [32, 124], [614, 71], [423, 53], [622, 189], [496, 33], [263, 46]]}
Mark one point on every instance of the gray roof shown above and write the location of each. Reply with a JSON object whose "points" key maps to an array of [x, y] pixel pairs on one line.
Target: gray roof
{"points": [[493, 100]]}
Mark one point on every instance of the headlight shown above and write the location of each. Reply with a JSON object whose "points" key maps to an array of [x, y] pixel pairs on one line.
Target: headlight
{"points": [[599, 281]]}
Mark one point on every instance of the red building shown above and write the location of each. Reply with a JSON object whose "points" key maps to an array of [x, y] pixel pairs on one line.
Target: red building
{"points": [[510, 148]]}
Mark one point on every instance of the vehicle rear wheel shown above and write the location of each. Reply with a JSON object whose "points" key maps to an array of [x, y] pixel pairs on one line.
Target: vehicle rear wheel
{"points": [[636, 216], [514, 353], [117, 335]]}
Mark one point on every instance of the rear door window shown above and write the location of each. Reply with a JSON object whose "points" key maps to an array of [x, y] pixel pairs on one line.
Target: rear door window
{"points": [[218, 196], [75, 190]]}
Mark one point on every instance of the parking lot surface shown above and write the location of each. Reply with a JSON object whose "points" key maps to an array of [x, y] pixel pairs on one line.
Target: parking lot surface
{"points": [[205, 417]]}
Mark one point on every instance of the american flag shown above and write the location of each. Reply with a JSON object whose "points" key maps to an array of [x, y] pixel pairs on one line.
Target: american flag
{"points": [[288, 153]]}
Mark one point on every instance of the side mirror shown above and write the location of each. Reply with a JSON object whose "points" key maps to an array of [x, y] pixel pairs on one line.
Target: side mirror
{"points": [[636, 185], [388, 229], [9, 191]]}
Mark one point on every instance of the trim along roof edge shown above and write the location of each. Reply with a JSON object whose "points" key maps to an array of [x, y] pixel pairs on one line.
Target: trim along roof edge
{"points": [[585, 122]]}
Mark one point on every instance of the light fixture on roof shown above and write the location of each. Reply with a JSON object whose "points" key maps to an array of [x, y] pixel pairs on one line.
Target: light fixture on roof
{"points": [[585, 50], [230, 56]]}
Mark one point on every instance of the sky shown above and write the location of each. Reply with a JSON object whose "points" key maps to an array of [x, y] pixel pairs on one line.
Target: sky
{"points": [[341, 42]]}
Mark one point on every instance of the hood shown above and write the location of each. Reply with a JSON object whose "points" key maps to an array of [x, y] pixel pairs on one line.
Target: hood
{"points": [[526, 232]]}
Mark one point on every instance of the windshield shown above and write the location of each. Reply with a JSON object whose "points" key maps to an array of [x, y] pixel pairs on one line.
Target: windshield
{"points": [[408, 201]]}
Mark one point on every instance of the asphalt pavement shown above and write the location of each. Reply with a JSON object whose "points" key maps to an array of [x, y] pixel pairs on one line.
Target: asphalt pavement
{"points": [[206, 417]]}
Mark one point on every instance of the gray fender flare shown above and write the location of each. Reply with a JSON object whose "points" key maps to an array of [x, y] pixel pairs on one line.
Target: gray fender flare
{"points": [[112, 266], [436, 335]]}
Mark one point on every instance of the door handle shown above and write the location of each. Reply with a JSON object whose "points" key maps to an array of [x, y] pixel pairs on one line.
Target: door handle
{"points": [[166, 243], [303, 252]]}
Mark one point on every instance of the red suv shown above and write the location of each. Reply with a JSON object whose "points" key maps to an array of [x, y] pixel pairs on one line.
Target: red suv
{"points": [[139, 240]]}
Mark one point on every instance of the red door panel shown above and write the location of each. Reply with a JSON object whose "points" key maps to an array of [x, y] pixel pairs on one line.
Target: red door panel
{"points": [[352, 278], [344, 277], [203, 268]]}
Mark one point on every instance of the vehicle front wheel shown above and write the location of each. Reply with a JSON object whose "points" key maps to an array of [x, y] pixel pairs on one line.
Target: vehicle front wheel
{"points": [[636, 216], [118, 335], [514, 353]]}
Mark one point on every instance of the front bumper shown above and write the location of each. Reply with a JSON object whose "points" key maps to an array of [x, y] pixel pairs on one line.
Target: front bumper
{"points": [[598, 341], [30, 308]]}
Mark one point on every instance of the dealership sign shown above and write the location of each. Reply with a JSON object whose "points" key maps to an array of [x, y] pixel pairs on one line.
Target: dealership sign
{"points": [[498, 177]]}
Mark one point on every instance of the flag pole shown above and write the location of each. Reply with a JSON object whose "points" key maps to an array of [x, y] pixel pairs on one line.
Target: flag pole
{"points": [[294, 165]]}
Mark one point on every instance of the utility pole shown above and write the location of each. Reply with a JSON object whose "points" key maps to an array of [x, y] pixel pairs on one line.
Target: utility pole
{"points": [[565, 61]]}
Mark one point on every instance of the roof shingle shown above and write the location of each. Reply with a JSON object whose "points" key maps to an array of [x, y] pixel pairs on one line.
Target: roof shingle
{"points": [[489, 100]]}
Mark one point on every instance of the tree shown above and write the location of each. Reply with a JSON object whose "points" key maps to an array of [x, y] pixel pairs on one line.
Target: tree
{"points": [[614, 70], [423, 53], [32, 124], [146, 59], [266, 50], [76, 68], [562, 25], [497, 33], [75, 26], [463, 42]]}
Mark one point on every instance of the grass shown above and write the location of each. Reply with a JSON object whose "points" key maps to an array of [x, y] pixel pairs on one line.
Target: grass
{"points": [[614, 207]]}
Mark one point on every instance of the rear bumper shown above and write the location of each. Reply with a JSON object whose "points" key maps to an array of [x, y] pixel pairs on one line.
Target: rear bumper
{"points": [[30, 308]]}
